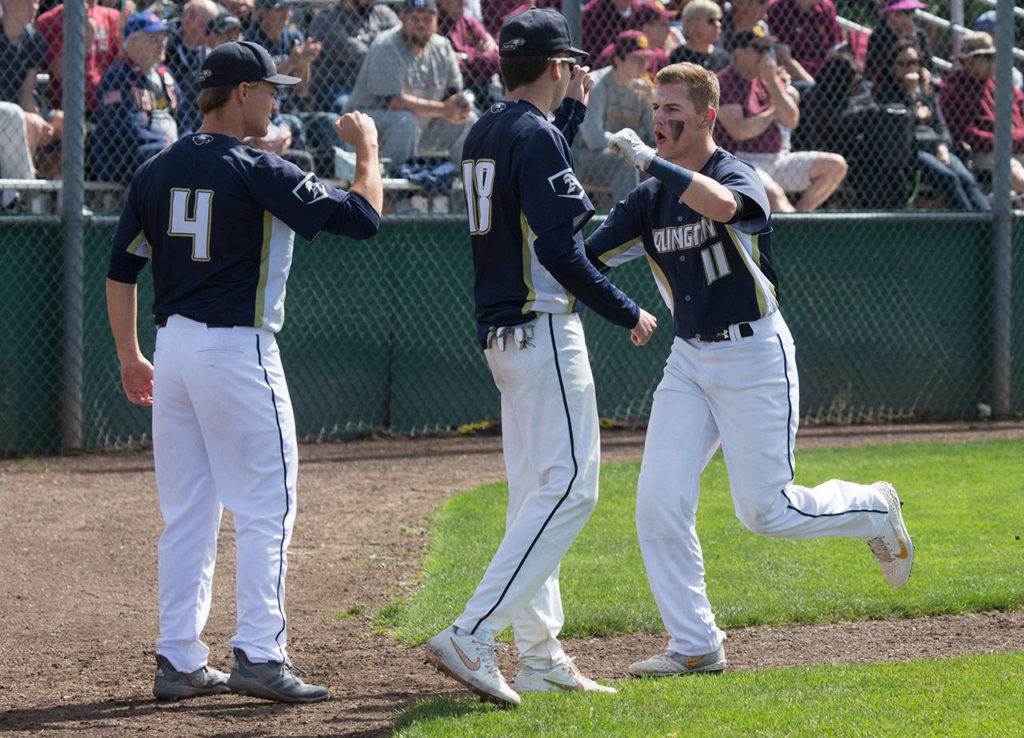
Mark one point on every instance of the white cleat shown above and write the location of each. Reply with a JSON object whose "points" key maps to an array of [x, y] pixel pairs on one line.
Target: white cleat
{"points": [[564, 677], [470, 661], [671, 663], [893, 547]]}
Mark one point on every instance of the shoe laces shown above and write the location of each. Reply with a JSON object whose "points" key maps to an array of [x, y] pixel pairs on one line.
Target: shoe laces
{"points": [[289, 665]]}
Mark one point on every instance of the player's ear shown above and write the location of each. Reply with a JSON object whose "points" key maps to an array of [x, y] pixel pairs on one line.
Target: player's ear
{"points": [[710, 115]]}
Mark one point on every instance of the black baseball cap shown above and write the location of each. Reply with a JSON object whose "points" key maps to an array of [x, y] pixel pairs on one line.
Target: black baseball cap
{"points": [[536, 32], [224, 23], [758, 33], [240, 61], [429, 6]]}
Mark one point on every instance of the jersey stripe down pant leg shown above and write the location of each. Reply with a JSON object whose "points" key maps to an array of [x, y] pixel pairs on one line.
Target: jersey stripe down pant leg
{"points": [[224, 436], [550, 438]]}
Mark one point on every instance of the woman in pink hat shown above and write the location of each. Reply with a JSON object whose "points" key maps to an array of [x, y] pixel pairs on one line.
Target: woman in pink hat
{"points": [[897, 22]]}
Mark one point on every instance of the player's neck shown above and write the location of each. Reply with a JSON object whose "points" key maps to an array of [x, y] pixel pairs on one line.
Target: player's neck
{"points": [[697, 157], [538, 95], [220, 122]]}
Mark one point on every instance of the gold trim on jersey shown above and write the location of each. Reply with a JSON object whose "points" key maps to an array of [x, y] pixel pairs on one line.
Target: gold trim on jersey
{"points": [[607, 256], [528, 238], [763, 287], [261, 285], [139, 246], [663, 284]]}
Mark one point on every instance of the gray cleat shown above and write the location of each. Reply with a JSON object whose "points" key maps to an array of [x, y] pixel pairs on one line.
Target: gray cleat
{"points": [[671, 663], [171, 684], [271, 681]]}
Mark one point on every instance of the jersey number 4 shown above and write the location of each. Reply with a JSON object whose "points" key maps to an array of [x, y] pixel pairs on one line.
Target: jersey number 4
{"points": [[478, 184], [196, 226]]}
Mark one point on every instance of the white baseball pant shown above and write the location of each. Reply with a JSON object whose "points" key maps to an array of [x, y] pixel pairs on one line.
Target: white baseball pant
{"points": [[551, 441], [223, 436], [743, 393]]}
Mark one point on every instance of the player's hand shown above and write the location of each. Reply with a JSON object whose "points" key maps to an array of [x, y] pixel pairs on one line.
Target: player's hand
{"points": [[580, 84], [643, 88], [356, 129], [457, 109], [137, 380], [630, 147], [643, 329]]}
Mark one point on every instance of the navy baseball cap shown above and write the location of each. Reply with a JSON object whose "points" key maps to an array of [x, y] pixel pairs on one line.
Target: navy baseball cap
{"points": [[143, 22], [429, 6], [536, 32], [223, 24], [271, 4], [235, 62]]}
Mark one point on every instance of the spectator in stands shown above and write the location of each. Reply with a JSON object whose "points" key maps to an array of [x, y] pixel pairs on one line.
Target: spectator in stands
{"points": [[137, 99], [241, 9], [411, 86], [102, 47], [292, 55], [702, 27], [986, 23], [740, 15], [20, 134], [896, 23], [655, 22], [621, 98], [968, 102], [808, 27], [476, 49], [898, 81], [839, 114], [222, 28], [186, 51], [494, 12], [604, 20], [756, 102], [345, 31]]}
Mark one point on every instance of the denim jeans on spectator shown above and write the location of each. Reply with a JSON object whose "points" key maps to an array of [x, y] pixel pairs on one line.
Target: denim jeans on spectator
{"points": [[956, 182]]}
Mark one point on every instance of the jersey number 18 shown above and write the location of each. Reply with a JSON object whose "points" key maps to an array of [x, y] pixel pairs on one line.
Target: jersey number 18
{"points": [[478, 184]]}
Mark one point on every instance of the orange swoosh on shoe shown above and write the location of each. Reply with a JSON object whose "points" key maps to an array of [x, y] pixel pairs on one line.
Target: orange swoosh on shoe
{"points": [[575, 687], [471, 665], [903, 549], [693, 662]]}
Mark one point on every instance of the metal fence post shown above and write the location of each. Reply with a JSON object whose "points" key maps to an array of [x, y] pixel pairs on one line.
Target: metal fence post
{"points": [[1002, 222], [72, 222]]}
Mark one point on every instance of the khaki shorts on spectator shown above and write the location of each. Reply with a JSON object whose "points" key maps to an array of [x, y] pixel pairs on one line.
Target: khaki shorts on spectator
{"points": [[790, 170], [986, 160]]}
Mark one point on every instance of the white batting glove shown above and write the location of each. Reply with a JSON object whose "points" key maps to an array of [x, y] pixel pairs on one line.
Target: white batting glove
{"points": [[630, 147]]}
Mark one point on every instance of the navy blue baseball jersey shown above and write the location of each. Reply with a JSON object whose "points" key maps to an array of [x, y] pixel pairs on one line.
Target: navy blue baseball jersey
{"points": [[519, 185], [710, 274], [218, 220]]}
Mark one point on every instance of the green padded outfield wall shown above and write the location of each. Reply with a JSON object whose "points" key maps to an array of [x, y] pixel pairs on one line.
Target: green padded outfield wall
{"points": [[891, 318]]}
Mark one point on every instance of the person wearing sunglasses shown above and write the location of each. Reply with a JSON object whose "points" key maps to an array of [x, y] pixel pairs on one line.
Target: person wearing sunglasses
{"points": [[757, 102], [702, 27], [898, 81], [897, 21], [968, 102]]}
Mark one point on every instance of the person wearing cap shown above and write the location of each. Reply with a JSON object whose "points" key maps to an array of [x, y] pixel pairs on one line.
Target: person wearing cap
{"points": [[702, 28], [655, 22], [292, 54], [525, 210], [621, 98], [345, 30], [986, 23], [186, 50], [808, 27], [221, 29], [218, 219], [137, 102], [968, 102], [897, 22], [757, 101], [411, 85]]}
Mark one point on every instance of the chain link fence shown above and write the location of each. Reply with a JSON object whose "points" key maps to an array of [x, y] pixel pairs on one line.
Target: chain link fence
{"points": [[889, 292]]}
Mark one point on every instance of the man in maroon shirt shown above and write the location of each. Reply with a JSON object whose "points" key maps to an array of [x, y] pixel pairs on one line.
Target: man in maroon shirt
{"points": [[102, 46], [756, 102], [968, 104], [808, 27], [604, 20], [474, 46]]}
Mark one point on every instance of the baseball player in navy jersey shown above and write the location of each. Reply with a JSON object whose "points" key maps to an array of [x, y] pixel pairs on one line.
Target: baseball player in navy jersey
{"points": [[704, 224], [525, 207], [217, 219]]}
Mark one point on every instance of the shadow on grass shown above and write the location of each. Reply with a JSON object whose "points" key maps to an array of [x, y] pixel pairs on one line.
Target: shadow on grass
{"points": [[440, 708]]}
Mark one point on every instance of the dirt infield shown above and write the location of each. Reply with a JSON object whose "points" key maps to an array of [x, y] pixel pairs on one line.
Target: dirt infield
{"points": [[78, 591]]}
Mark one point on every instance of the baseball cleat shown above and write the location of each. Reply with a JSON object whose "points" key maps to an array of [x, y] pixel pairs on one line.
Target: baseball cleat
{"points": [[172, 685], [272, 680], [893, 547], [563, 677], [471, 662], [671, 663]]}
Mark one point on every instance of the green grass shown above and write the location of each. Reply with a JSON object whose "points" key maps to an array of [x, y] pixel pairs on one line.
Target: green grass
{"points": [[964, 506], [968, 696]]}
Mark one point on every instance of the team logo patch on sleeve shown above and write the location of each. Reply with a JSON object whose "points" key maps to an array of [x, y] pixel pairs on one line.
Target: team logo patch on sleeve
{"points": [[565, 184], [310, 190]]}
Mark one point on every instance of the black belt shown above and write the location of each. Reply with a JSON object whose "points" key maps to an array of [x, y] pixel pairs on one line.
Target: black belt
{"points": [[723, 335]]}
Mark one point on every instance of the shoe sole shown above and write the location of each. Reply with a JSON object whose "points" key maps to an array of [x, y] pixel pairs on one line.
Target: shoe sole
{"points": [[184, 693], [714, 670], [901, 532], [486, 696], [258, 693]]}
